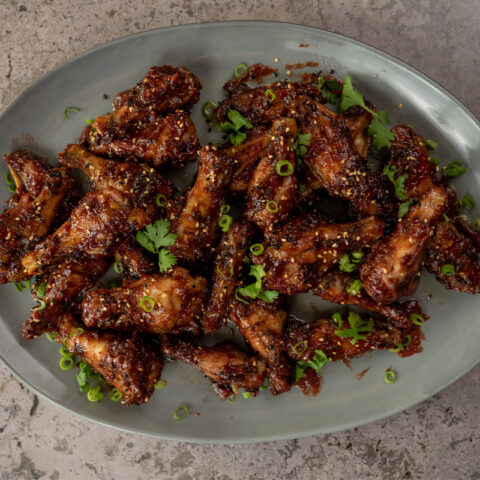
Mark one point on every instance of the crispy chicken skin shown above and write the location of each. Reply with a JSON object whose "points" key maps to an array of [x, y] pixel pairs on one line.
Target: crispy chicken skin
{"points": [[197, 225], [178, 300], [228, 367], [30, 217], [65, 283], [262, 324], [333, 158], [395, 261], [408, 154], [333, 286], [271, 195], [245, 157], [135, 261], [145, 136], [302, 339], [94, 228], [294, 256], [257, 107], [164, 89], [138, 181], [127, 363], [227, 268], [450, 247]]}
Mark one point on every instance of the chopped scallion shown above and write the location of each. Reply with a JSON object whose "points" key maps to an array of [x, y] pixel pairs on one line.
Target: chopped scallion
{"points": [[180, 413], [257, 249], [284, 168], [147, 303], [390, 376]]}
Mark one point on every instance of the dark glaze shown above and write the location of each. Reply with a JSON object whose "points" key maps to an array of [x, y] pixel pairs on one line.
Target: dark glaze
{"points": [[357, 120], [126, 362], [136, 180], [94, 228], [197, 225], [144, 135], [311, 384], [298, 66], [229, 260], [228, 367], [266, 185], [135, 260], [255, 73], [395, 261], [164, 89], [179, 300], [262, 324], [295, 257]]}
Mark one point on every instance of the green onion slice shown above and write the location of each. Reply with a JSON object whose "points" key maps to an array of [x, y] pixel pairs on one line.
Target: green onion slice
{"points": [[66, 363], [9, 179], [118, 267], [284, 168], [272, 206], [41, 306], [147, 303], [89, 121], [468, 202], [225, 209], [161, 200], [454, 169], [476, 224], [115, 395], [180, 413], [240, 70], [20, 286], [208, 110], [246, 394], [65, 352], [270, 95], [94, 394], [303, 344], [417, 319], [69, 109], [390, 376], [223, 275], [51, 336], [447, 269], [224, 222], [257, 249], [265, 384], [77, 332], [41, 290], [161, 384], [237, 296], [231, 398]]}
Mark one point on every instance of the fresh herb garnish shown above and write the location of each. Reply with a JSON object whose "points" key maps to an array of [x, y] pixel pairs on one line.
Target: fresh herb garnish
{"points": [[448, 269], [454, 169], [355, 287], [155, 236], [404, 208], [254, 290], [300, 146], [467, 202], [237, 122], [383, 136], [329, 89], [69, 109], [317, 362], [399, 183], [359, 328], [431, 145], [434, 161]]}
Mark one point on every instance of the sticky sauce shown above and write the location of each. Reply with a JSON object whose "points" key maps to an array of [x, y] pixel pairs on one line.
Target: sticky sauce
{"points": [[298, 66]]}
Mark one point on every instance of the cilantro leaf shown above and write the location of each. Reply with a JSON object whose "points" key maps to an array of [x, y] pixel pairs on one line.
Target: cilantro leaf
{"points": [[382, 135], [399, 183], [237, 121], [355, 287], [268, 296], [166, 260], [404, 207], [350, 96], [41, 290], [317, 362], [300, 145], [359, 328], [254, 290]]}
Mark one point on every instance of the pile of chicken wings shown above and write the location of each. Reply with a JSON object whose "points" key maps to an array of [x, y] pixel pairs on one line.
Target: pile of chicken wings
{"points": [[364, 256]]}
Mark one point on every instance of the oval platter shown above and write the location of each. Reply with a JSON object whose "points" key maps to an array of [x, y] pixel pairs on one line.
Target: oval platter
{"points": [[212, 51]]}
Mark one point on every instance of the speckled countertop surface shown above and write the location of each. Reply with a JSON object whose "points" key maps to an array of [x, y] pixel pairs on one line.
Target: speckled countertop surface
{"points": [[438, 439]]}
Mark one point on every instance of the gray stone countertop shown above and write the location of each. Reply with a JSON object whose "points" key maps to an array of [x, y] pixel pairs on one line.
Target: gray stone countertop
{"points": [[438, 439]]}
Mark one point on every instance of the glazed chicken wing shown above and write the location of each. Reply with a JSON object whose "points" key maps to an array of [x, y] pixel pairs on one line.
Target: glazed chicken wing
{"points": [[146, 187], [94, 228], [295, 256], [64, 284], [145, 136], [357, 120], [30, 217], [455, 253], [228, 367], [335, 287], [164, 89], [127, 363], [135, 261], [394, 262], [197, 225], [160, 303], [262, 324], [273, 186], [226, 271]]}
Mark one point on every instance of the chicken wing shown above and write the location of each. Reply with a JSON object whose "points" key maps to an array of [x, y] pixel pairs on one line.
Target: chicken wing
{"points": [[135, 261], [273, 186], [127, 363], [357, 120], [334, 287], [164, 89], [395, 261], [303, 339], [148, 190], [227, 268], [408, 154], [160, 303], [453, 259], [144, 135], [94, 228], [197, 225], [65, 284], [295, 256], [262, 324], [228, 367], [30, 217]]}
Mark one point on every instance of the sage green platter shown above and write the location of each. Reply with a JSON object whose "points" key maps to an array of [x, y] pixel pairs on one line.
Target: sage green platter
{"points": [[212, 51]]}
